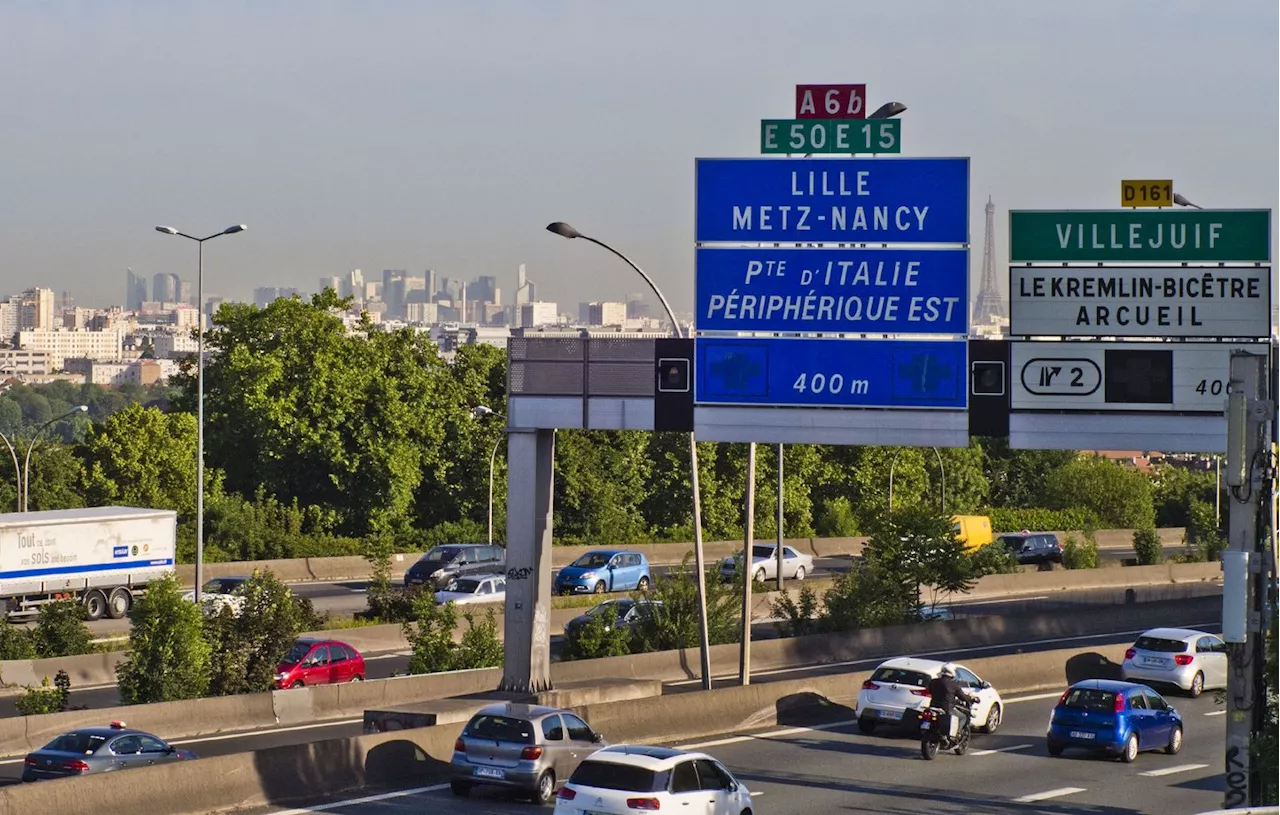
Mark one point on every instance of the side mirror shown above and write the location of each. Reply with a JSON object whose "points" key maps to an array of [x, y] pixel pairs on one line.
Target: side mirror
{"points": [[596, 738], [984, 684]]}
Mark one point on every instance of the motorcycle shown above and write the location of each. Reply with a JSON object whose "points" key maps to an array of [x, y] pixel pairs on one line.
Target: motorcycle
{"points": [[932, 737]]}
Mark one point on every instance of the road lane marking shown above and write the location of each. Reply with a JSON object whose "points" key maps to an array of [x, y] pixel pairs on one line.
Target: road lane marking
{"points": [[368, 799], [272, 731], [1216, 713], [772, 734], [1181, 768], [1033, 697], [1008, 749], [1044, 796]]}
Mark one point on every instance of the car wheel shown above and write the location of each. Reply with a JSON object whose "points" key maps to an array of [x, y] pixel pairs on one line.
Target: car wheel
{"points": [[599, 589], [1175, 741], [1054, 749], [799, 573], [119, 603], [866, 726], [546, 792], [95, 605], [1130, 749], [296, 684], [357, 678], [993, 720], [460, 788], [643, 584], [1197, 685], [758, 576]]}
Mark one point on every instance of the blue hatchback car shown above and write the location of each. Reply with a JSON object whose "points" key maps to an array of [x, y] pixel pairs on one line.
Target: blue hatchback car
{"points": [[1117, 718], [602, 570]]}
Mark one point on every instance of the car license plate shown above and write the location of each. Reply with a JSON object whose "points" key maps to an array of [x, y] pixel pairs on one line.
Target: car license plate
{"points": [[925, 725], [1081, 734], [1152, 661], [489, 772], [889, 714]]}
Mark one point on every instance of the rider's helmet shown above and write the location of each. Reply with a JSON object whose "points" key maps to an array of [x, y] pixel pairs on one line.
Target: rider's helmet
{"points": [[947, 670]]}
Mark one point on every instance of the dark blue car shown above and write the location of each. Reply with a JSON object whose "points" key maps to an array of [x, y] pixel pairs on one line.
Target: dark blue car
{"points": [[1116, 718], [602, 570]]}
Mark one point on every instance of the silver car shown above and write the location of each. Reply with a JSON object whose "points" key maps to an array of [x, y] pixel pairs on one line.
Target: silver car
{"points": [[99, 750], [527, 748], [1191, 660], [764, 563]]}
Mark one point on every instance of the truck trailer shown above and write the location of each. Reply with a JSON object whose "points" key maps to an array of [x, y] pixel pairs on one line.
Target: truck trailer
{"points": [[103, 557]]}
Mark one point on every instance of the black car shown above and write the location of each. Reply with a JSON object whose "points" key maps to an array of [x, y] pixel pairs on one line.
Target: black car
{"points": [[623, 613], [443, 563], [1033, 547]]}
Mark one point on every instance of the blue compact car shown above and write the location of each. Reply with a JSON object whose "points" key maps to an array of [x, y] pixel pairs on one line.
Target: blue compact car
{"points": [[1117, 718], [602, 570]]}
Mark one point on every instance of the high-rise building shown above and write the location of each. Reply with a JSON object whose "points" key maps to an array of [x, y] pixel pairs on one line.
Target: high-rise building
{"points": [[526, 290], [135, 291], [186, 293], [607, 313], [637, 307], [37, 309], [334, 283], [485, 289], [165, 287], [355, 285], [264, 296], [535, 314]]}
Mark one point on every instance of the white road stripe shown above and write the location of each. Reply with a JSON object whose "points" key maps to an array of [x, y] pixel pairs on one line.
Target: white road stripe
{"points": [[1044, 796], [1216, 713], [790, 731], [368, 799], [1033, 697], [252, 733], [1181, 768], [1008, 749]]}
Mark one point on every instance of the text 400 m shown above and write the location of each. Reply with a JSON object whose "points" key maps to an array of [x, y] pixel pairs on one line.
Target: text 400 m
{"points": [[834, 384]]}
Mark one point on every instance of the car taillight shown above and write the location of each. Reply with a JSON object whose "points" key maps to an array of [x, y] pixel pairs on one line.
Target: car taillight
{"points": [[1119, 706], [75, 766], [644, 803], [460, 746], [566, 794], [531, 753], [1063, 698], [1129, 654], [929, 714], [920, 692], [30, 762], [1183, 659], [869, 685]]}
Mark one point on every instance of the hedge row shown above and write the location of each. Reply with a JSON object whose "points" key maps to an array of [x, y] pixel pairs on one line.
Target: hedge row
{"points": [[1011, 519]]}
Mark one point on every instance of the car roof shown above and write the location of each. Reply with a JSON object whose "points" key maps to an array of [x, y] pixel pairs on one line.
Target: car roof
{"points": [[480, 576], [650, 757], [929, 666], [518, 710], [1112, 685], [1175, 633], [107, 732]]}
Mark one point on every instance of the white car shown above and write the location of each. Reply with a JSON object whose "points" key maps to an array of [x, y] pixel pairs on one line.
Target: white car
{"points": [[1185, 658], [480, 588], [220, 592], [899, 689], [629, 778], [764, 563]]}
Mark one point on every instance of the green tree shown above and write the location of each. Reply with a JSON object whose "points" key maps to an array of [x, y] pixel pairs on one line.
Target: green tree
{"points": [[599, 484], [1146, 545], [54, 478], [1266, 742], [868, 596], [430, 635], [675, 625], [596, 638], [141, 457], [917, 547], [222, 631], [1202, 530], [1017, 478], [1078, 554], [967, 486], [168, 656], [268, 623], [480, 646], [1176, 489], [16, 642], [1120, 496], [60, 630]]}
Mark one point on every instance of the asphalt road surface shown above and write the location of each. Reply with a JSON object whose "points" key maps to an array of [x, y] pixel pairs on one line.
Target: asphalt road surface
{"points": [[828, 767]]}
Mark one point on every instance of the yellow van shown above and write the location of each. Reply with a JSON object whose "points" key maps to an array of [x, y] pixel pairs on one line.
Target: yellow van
{"points": [[973, 531]]}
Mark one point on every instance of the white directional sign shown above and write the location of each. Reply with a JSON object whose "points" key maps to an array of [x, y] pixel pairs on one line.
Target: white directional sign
{"points": [[1122, 377], [1111, 301]]}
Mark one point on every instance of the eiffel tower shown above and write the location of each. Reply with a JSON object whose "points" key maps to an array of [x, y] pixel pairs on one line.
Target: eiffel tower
{"points": [[989, 307]]}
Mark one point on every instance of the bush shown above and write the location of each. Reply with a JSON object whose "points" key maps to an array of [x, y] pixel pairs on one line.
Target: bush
{"points": [[1012, 519], [1202, 531], [798, 618], [994, 558], [60, 630], [1146, 544], [1077, 554], [46, 698], [431, 639], [677, 626], [596, 638], [867, 596], [480, 646], [168, 656], [16, 642], [836, 519]]}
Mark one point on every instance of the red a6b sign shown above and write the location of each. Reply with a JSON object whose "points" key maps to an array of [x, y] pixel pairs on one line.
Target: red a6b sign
{"points": [[831, 101]]}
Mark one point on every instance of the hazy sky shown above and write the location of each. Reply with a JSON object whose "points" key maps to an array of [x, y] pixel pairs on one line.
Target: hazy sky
{"points": [[415, 133]]}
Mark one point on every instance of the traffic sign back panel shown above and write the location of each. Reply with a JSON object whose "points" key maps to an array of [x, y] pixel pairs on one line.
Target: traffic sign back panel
{"points": [[842, 200], [831, 372]]}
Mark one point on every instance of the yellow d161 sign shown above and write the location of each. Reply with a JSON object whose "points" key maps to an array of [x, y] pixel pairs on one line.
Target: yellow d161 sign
{"points": [[1146, 193]]}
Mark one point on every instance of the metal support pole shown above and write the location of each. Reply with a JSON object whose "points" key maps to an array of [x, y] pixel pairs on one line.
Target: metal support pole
{"points": [[199, 423], [778, 552], [748, 569], [17, 470], [1242, 618], [493, 458]]}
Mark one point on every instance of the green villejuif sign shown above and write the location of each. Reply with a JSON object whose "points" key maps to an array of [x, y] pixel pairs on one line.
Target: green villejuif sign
{"points": [[1110, 236]]}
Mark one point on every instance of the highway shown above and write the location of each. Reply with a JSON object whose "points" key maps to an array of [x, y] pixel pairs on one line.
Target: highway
{"points": [[815, 768], [224, 743]]}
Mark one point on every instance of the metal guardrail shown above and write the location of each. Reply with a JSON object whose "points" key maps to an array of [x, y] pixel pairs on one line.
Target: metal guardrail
{"points": [[1267, 810]]}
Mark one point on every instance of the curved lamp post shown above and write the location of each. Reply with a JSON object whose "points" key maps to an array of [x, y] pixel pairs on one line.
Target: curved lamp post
{"points": [[26, 469], [231, 230], [565, 231], [17, 471], [941, 469], [480, 411]]}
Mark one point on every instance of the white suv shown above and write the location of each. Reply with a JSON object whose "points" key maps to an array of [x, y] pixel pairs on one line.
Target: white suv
{"points": [[899, 689], [627, 778]]}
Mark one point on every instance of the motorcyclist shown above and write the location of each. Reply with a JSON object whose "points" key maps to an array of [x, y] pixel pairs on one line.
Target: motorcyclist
{"points": [[943, 692]]}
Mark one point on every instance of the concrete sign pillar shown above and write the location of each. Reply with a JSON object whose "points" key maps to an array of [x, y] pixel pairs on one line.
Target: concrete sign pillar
{"points": [[526, 667]]}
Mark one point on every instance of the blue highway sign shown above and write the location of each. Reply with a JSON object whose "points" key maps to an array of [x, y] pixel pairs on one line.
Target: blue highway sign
{"points": [[837, 200], [856, 291], [831, 372]]}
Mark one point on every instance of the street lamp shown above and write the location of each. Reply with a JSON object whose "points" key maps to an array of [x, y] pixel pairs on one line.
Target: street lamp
{"points": [[1181, 200], [704, 646], [481, 411], [888, 110], [26, 469], [231, 230], [17, 469]]}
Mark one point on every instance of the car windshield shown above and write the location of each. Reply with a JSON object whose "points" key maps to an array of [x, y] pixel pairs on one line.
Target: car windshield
{"points": [[297, 652], [1160, 644], [592, 560], [1013, 541], [761, 551], [1091, 699], [464, 586], [901, 676], [82, 743], [500, 728], [222, 586], [611, 609], [623, 777], [439, 555]]}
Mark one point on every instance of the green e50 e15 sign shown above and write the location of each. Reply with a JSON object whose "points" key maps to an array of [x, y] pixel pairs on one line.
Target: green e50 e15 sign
{"points": [[1103, 236], [825, 136]]}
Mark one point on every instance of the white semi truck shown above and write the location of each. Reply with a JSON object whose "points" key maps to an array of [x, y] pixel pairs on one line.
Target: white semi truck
{"points": [[100, 556]]}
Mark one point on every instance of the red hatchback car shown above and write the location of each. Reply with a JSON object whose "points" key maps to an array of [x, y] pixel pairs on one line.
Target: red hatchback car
{"points": [[319, 662]]}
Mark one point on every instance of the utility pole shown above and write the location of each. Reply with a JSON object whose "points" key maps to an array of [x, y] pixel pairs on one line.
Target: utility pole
{"points": [[748, 569], [1250, 477]]}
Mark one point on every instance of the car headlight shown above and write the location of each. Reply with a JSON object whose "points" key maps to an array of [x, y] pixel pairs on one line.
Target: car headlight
{"points": [[280, 677], [588, 575]]}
